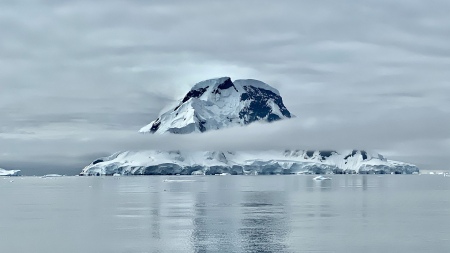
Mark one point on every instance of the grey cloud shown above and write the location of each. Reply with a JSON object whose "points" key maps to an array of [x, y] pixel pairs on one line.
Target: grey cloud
{"points": [[420, 143]]}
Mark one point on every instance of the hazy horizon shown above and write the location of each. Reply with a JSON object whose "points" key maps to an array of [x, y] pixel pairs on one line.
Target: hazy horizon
{"points": [[79, 79]]}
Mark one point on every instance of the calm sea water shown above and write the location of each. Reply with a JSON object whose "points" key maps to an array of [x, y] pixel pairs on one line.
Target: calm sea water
{"points": [[225, 214]]}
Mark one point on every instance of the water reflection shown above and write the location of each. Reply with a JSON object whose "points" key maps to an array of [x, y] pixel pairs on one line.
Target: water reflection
{"points": [[364, 182], [317, 185], [214, 220], [264, 227], [226, 220], [226, 214]]}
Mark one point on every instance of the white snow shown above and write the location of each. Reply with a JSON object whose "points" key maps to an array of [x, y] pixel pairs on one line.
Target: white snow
{"points": [[4, 172]]}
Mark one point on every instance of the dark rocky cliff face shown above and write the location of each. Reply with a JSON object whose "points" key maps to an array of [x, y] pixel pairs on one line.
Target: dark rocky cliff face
{"points": [[224, 86], [194, 94], [259, 107]]}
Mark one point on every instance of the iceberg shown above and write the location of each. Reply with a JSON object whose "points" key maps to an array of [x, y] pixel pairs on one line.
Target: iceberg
{"points": [[9, 173], [51, 175], [321, 178]]}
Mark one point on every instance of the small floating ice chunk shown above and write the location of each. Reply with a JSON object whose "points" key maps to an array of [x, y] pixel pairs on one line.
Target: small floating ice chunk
{"points": [[223, 174], [51, 175], [321, 178], [176, 181]]}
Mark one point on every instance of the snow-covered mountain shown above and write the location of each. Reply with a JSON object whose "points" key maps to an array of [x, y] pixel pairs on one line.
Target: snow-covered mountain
{"points": [[219, 103], [4, 172], [244, 163]]}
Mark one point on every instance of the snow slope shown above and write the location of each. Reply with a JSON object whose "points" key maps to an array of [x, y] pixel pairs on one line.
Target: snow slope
{"points": [[219, 103], [4, 172], [153, 162]]}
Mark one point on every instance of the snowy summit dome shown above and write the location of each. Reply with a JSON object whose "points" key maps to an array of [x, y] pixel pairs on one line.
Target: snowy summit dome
{"points": [[219, 103]]}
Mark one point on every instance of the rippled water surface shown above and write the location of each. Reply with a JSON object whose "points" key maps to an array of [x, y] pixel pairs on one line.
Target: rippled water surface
{"points": [[225, 214]]}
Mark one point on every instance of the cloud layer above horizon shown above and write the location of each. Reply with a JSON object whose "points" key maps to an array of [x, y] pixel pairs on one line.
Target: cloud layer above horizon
{"points": [[79, 78]]}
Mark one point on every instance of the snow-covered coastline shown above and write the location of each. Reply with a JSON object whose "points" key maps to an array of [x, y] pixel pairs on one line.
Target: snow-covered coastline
{"points": [[9, 173], [153, 162]]}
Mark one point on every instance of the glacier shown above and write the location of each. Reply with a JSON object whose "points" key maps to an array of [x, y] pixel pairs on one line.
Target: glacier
{"points": [[219, 103], [4, 172], [153, 162]]}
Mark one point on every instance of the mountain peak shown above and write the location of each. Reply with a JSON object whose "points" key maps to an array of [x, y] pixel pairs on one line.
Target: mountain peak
{"points": [[215, 82], [219, 103]]}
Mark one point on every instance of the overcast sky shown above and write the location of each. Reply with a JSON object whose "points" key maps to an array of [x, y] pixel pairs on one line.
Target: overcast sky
{"points": [[78, 79]]}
